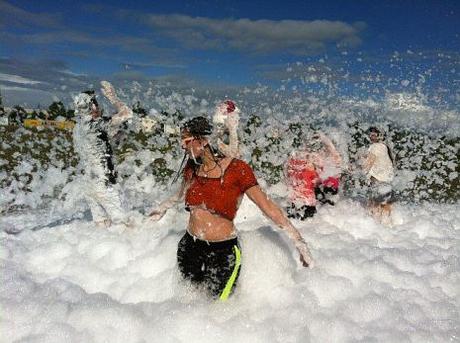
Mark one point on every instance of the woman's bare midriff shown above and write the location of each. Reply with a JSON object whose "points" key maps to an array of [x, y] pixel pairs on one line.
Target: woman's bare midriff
{"points": [[210, 226]]}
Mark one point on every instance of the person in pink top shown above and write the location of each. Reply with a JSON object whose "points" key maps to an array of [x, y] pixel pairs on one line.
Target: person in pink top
{"points": [[313, 175], [302, 180]]}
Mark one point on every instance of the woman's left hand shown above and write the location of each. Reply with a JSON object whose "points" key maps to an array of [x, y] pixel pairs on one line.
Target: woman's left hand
{"points": [[305, 255], [276, 214]]}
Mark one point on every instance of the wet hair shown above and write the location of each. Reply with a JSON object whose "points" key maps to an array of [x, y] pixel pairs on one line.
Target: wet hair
{"points": [[198, 126]]}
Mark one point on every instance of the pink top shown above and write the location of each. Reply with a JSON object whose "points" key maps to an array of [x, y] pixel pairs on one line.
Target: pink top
{"points": [[302, 180]]}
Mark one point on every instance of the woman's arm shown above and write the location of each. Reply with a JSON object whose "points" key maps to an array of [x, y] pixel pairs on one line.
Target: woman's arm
{"points": [[231, 149], [160, 211], [123, 111], [272, 210], [330, 148]]}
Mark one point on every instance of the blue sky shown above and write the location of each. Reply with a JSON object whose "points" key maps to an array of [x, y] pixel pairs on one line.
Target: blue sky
{"points": [[60, 45]]}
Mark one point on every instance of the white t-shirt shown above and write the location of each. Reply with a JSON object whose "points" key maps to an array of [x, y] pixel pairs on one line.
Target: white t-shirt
{"points": [[382, 169]]}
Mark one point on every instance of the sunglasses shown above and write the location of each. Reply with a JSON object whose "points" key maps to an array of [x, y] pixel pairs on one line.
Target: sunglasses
{"points": [[186, 141]]}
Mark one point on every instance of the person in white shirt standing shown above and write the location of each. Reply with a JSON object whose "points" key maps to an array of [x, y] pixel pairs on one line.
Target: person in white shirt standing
{"points": [[379, 168]]}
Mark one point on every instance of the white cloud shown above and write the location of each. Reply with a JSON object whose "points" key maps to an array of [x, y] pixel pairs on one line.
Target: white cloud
{"points": [[15, 88], [17, 79], [257, 36]]}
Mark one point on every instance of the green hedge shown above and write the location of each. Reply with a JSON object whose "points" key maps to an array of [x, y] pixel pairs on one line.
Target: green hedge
{"points": [[434, 161]]}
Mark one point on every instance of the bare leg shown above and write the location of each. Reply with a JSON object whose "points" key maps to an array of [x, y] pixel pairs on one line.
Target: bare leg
{"points": [[381, 213], [386, 214], [375, 210]]}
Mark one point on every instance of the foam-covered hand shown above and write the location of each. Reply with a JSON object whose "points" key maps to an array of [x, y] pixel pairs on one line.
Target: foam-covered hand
{"points": [[305, 255], [157, 214], [123, 111], [226, 118], [109, 92], [219, 116], [232, 121]]}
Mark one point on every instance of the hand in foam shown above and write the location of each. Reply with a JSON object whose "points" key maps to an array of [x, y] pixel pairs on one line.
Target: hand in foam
{"points": [[226, 118], [305, 255], [156, 215]]}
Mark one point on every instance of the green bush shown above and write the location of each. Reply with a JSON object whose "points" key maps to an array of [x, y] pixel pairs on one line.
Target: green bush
{"points": [[434, 161]]}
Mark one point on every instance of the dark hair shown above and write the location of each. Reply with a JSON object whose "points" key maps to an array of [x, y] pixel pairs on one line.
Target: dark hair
{"points": [[92, 94], [89, 92], [198, 126], [373, 129]]}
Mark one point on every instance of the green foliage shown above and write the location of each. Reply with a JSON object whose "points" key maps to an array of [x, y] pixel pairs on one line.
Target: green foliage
{"points": [[252, 124], [41, 148], [17, 115], [2, 109], [161, 171], [433, 162], [296, 129], [140, 111], [56, 109]]}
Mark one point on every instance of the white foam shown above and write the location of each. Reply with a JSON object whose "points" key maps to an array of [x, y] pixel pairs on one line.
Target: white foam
{"points": [[78, 283]]}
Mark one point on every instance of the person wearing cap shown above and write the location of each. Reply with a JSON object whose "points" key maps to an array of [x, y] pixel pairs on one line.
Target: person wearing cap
{"points": [[213, 185], [379, 168], [91, 138]]}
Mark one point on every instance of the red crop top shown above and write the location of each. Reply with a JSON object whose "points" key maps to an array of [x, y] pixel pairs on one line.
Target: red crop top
{"points": [[220, 195]]}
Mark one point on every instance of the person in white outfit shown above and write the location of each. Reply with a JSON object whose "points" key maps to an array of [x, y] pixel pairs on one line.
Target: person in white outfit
{"points": [[91, 138], [379, 168]]}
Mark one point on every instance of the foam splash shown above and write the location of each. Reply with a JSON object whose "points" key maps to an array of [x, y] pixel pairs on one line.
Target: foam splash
{"points": [[77, 283]]}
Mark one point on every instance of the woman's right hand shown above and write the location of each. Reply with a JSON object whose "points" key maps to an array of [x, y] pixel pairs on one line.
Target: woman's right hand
{"points": [[156, 215]]}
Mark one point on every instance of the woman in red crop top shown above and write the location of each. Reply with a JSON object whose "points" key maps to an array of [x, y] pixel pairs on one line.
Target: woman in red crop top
{"points": [[213, 186]]}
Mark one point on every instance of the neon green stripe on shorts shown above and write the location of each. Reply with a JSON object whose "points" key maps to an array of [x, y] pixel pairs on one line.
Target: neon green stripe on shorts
{"points": [[231, 281]]}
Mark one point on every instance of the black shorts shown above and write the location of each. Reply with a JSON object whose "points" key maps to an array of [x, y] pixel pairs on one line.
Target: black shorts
{"points": [[324, 194], [214, 266], [380, 192]]}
